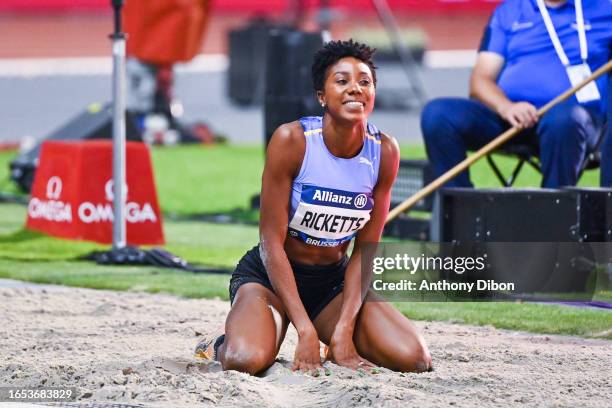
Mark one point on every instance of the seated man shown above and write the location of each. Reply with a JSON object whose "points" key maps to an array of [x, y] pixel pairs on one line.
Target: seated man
{"points": [[531, 52]]}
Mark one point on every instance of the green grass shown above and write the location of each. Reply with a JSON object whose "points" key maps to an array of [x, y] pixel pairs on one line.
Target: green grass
{"points": [[133, 278], [6, 186], [198, 179], [537, 318], [195, 180], [203, 243], [30, 256]]}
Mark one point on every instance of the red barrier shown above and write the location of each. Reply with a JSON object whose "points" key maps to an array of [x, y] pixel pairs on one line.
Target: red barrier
{"points": [[73, 191]]}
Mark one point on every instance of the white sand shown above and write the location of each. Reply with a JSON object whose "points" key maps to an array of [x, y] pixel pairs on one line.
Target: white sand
{"points": [[137, 348]]}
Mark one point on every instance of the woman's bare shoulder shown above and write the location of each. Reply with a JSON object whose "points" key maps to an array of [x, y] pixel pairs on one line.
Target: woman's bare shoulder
{"points": [[291, 133], [389, 145], [287, 147]]}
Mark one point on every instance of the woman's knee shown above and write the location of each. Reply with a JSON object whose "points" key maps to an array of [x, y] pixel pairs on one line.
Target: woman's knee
{"points": [[402, 348], [413, 358], [246, 358]]}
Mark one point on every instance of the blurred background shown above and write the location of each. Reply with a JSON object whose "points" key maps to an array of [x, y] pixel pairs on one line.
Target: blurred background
{"points": [[55, 59]]}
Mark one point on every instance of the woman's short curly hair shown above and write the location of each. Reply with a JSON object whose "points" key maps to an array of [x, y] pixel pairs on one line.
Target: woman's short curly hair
{"points": [[334, 51]]}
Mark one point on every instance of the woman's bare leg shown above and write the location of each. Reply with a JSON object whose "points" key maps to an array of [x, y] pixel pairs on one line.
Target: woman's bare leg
{"points": [[382, 335], [254, 330]]}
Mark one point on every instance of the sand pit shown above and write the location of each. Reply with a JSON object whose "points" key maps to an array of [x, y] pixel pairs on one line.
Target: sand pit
{"points": [[136, 349]]}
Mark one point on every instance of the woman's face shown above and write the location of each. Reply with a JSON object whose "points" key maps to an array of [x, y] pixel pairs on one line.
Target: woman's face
{"points": [[348, 92]]}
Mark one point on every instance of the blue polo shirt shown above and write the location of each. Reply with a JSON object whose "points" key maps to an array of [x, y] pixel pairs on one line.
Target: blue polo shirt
{"points": [[532, 71]]}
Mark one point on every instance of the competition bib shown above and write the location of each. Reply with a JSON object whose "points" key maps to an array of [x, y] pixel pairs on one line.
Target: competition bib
{"points": [[328, 217]]}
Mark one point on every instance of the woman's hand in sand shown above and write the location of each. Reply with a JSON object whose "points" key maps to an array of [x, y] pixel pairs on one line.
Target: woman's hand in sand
{"points": [[307, 354], [342, 351]]}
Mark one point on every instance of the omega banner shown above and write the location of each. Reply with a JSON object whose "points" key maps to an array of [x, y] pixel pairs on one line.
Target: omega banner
{"points": [[72, 194]]}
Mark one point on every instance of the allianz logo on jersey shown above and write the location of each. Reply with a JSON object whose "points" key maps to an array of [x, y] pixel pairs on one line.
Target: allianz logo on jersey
{"points": [[359, 201]]}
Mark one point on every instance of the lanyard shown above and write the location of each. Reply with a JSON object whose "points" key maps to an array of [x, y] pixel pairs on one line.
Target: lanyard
{"points": [[555, 38]]}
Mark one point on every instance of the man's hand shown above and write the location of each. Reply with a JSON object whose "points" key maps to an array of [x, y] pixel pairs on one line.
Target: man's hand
{"points": [[484, 88], [522, 115], [307, 355], [342, 351]]}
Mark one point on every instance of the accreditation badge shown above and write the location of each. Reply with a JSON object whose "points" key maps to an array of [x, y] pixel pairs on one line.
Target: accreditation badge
{"points": [[578, 73]]}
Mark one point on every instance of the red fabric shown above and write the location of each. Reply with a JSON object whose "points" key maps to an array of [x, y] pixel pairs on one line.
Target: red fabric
{"points": [[72, 193], [163, 32]]}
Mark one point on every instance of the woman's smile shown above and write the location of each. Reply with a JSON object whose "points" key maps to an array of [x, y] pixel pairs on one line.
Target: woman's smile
{"points": [[354, 105]]}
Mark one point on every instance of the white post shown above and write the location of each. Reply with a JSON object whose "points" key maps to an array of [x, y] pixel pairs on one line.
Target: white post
{"points": [[119, 155]]}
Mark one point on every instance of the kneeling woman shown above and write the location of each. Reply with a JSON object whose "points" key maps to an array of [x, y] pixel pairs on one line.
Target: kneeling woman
{"points": [[326, 181]]}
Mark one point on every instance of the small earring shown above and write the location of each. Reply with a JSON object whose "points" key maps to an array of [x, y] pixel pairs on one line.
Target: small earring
{"points": [[323, 104]]}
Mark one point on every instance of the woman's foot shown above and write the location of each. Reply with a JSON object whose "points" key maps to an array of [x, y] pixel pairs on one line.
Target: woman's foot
{"points": [[207, 347]]}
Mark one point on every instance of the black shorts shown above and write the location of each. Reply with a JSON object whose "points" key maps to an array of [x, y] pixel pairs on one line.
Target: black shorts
{"points": [[317, 284]]}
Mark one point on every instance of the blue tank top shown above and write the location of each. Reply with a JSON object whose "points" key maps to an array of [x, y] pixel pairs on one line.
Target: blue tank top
{"points": [[331, 197]]}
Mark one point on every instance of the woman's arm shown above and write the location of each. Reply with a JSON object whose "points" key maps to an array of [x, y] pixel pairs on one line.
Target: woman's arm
{"points": [[283, 161], [355, 284]]}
